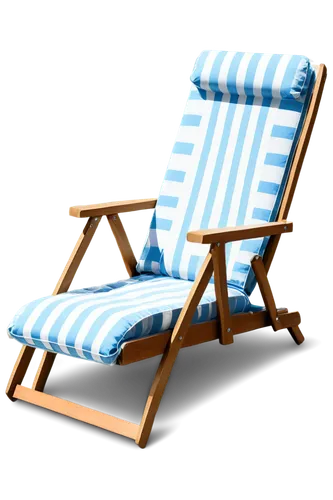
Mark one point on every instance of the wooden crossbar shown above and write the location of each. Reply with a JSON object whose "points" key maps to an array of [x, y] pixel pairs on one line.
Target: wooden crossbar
{"points": [[154, 345], [76, 411]]}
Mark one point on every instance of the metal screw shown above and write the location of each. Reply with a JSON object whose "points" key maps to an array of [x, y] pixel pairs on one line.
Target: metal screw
{"points": [[257, 257], [180, 338], [285, 228], [114, 217], [277, 319], [218, 244], [229, 330], [96, 219]]}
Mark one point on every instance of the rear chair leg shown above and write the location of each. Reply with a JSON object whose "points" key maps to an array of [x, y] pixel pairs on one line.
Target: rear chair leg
{"points": [[266, 292], [296, 334], [43, 370]]}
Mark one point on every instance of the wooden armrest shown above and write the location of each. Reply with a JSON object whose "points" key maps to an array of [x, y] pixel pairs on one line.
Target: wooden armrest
{"points": [[115, 207], [226, 234]]}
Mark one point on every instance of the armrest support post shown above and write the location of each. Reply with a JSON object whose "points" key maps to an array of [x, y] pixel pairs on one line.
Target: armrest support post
{"points": [[221, 292]]}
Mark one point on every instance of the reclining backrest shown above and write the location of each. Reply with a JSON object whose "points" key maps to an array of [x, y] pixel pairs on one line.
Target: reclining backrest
{"points": [[231, 159]]}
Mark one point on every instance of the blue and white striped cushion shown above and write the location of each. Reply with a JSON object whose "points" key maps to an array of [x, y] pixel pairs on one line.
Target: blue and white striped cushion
{"points": [[230, 161], [93, 323]]}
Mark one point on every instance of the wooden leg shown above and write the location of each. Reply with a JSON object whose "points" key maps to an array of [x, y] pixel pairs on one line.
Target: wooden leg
{"points": [[170, 355], [43, 370], [19, 370], [279, 320], [63, 284], [296, 334]]}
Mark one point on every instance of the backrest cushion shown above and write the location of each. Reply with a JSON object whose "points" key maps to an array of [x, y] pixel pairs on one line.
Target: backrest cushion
{"points": [[230, 161]]}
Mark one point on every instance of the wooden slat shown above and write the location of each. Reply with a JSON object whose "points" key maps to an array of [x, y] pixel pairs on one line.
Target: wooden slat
{"points": [[123, 244], [298, 159], [77, 255], [221, 292], [115, 207], [226, 234], [19, 370], [77, 412], [171, 352]]}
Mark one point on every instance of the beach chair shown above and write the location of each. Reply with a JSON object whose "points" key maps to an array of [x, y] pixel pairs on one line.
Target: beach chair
{"points": [[215, 228]]}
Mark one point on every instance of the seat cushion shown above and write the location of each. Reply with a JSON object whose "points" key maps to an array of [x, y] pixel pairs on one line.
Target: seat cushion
{"points": [[93, 323], [231, 159]]}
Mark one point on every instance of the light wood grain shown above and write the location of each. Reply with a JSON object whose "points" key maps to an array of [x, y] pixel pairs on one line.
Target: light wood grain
{"points": [[77, 411], [115, 207], [226, 234]]}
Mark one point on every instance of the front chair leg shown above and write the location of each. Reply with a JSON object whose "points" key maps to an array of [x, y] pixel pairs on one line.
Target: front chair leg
{"points": [[171, 352], [63, 285], [19, 370]]}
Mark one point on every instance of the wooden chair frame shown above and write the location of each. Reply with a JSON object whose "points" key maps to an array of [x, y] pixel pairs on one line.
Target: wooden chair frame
{"points": [[184, 334]]}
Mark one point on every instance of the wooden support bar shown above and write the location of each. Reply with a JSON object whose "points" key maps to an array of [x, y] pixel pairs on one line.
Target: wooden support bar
{"points": [[148, 347], [221, 292], [226, 234], [77, 255], [76, 411], [154, 345], [123, 244]]}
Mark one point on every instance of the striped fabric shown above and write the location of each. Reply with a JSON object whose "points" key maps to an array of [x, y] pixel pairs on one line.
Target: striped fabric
{"points": [[230, 161], [253, 75], [93, 323], [228, 167]]}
